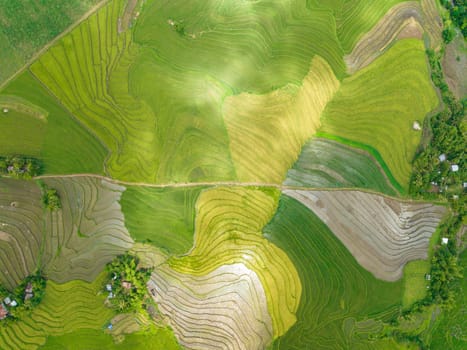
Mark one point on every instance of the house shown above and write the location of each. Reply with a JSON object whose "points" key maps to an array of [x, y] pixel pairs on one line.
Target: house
{"points": [[442, 157], [454, 167], [428, 277], [28, 293], [108, 287], [465, 185], [126, 285], [5, 110], [455, 197], [13, 303], [3, 312], [444, 240], [416, 126], [7, 301]]}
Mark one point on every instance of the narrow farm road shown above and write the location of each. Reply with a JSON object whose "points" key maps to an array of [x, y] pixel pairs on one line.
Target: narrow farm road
{"points": [[278, 186]]}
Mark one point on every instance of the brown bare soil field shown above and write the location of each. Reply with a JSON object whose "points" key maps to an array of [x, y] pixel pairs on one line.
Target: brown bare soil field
{"points": [[405, 20], [382, 233], [21, 233], [224, 309]]}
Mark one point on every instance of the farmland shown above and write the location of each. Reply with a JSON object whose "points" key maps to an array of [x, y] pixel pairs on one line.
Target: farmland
{"points": [[26, 26], [248, 161], [403, 76]]}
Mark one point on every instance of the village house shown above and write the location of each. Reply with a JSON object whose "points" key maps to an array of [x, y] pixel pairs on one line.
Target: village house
{"points": [[126, 285], [28, 293], [3, 312], [444, 240], [454, 168], [442, 157]]}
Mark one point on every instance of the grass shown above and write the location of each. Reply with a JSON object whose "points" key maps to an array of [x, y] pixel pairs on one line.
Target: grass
{"points": [[157, 339], [228, 230], [63, 145], [415, 282], [375, 106], [267, 131], [162, 217], [27, 25], [334, 286], [65, 308], [326, 163]]}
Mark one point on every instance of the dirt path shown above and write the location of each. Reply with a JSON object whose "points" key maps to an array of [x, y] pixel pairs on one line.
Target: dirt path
{"points": [[57, 38], [278, 186]]}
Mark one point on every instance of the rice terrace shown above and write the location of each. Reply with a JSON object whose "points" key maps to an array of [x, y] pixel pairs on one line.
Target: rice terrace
{"points": [[233, 174]]}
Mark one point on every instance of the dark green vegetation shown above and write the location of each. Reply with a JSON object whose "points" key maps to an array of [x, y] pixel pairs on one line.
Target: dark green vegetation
{"points": [[20, 167], [162, 217], [451, 331], [458, 15], [326, 163], [27, 25], [128, 281], [336, 291], [50, 198], [432, 174], [60, 142]]}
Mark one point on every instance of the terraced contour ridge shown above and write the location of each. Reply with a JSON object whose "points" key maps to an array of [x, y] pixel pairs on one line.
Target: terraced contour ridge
{"points": [[224, 309], [383, 234]]}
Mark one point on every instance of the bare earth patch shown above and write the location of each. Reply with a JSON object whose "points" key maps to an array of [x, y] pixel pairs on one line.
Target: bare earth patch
{"points": [[225, 309], [382, 233], [405, 20]]}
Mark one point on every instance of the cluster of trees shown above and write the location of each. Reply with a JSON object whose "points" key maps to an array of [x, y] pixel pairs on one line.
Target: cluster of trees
{"points": [[448, 137], [445, 271], [50, 198], [457, 16], [19, 166], [128, 281], [25, 301]]}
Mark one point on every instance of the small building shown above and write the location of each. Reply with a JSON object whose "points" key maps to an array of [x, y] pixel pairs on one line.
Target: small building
{"points": [[3, 312], [428, 277], [465, 185], [28, 293], [7, 301], [5, 110], [455, 197], [444, 240], [110, 326], [454, 167], [13, 303], [416, 126], [126, 285], [110, 296], [108, 287], [442, 157]]}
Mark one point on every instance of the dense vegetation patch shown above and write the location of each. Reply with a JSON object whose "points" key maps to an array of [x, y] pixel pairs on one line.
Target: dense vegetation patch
{"points": [[440, 169], [458, 14], [21, 167], [128, 283]]}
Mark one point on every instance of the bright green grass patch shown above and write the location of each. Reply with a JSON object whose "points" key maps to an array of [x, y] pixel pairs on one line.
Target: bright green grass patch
{"points": [[163, 217], [65, 308], [28, 25], [378, 105], [451, 331], [64, 145], [415, 282], [326, 163], [252, 46], [334, 286], [157, 339]]}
